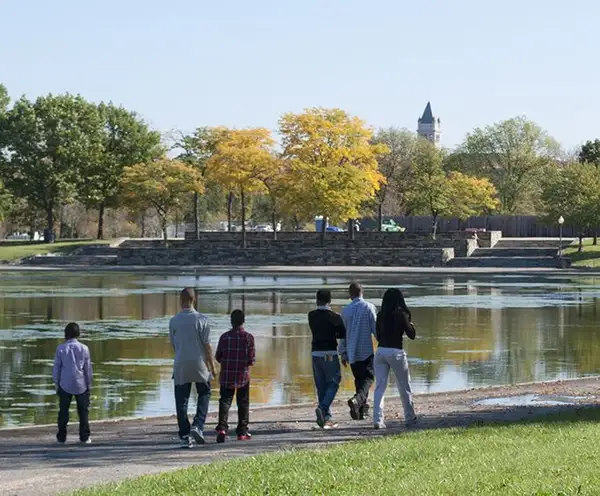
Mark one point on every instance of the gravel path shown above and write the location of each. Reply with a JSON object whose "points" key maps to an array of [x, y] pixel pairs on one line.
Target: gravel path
{"points": [[32, 464]]}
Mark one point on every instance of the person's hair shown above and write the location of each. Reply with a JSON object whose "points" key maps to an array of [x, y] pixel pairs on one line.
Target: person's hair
{"points": [[72, 331], [237, 319], [393, 303], [355, 290], [324, 296], [187, 296]]}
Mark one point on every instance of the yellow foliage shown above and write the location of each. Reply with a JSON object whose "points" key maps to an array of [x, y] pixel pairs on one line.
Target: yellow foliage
{"points": [[331, 165]]}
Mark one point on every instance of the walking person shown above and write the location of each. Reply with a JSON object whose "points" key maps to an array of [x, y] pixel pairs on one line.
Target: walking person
{"points": [[189, 332], [359, 320], [236, 354], [72, 376], [393, 321], [326, 327]]}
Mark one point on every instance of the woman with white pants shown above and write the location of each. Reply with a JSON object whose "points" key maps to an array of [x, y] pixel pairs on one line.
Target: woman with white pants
{"points": [[393, 321]]}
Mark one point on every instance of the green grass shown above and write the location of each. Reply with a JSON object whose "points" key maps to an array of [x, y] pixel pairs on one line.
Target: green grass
{"points": [[557, 455], [10, 253], [589, 257]]}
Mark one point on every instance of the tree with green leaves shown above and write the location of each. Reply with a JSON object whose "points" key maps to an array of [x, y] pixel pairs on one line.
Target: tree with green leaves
{"points": [[332, 163], [126, 141], [394, 166], [514, 154], [48, 145], [573, 192], [4, 100], [590, 152], [161, 184], [197, 148], [5, 201], [438, 193]]}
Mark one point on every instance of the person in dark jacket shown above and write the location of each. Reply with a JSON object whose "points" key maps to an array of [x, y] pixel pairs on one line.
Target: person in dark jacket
{"points": [[393, 322], [327, 328]]}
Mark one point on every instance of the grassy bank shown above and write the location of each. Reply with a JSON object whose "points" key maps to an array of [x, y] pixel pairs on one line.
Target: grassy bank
{"points": [[589, 257], [557, 455], [10, 253]]}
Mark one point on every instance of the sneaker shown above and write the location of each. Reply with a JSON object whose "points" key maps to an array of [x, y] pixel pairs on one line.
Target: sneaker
{"points": [[197, 435], [245, 437], [379, 425], [221, 436], [330, 424], [187, 442], [87, 441], [411, 422], [363, 412], [320, 417], [58, 441], [354, 408]]}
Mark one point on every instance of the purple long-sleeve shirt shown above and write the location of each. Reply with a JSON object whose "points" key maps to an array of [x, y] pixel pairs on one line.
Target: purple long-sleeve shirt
{"points": [[72, 367]]}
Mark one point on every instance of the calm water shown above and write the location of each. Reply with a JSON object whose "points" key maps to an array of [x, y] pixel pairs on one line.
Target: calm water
{"points": [[471, 332]]}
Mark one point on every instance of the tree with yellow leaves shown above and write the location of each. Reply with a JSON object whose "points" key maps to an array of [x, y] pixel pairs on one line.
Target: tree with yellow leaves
{"points": [[163, 184], [332, 164], [242, 162]]}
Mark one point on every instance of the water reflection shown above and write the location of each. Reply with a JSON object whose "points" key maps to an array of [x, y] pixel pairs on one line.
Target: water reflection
{"points": [[471, 332]]}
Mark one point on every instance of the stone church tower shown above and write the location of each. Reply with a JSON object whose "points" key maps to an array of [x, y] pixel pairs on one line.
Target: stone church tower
{"points": [[429, 127]]}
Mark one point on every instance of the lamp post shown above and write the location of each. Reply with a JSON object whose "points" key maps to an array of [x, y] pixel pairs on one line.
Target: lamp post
{"points": [[561, 221]]}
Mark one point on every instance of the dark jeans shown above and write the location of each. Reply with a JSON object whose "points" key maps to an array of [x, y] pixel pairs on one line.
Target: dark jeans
{"points": [[182, 397], [243, 403], [364, 376], [327, 374], [83, 410]]}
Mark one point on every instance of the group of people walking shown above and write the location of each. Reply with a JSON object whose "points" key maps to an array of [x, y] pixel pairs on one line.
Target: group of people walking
{"points": [[345, 338]]}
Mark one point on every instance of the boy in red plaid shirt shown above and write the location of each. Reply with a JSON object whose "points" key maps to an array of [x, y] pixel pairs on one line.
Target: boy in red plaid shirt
{"points": [[235, 353]]}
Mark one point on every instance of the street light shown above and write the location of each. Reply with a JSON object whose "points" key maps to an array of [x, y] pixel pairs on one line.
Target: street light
{"points": [[561, 221]]}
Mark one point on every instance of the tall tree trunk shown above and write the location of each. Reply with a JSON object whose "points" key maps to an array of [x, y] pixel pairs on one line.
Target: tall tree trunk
{"points": [[49, 233], [176, 225], [434, 226], [101, 221], [595, 237], [580, 247], [143, 222], [380, 217], [163, 222], [323, 230], [351, 232], [60, 222], [196, 215], [229, 206], [274, 221], [243, 202]]}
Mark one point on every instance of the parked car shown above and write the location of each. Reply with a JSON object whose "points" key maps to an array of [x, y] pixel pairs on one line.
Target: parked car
{"points": [[391, 226], [263, 228]]}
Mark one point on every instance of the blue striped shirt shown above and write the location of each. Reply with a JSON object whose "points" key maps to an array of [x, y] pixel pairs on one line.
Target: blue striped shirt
{"points": [[359, 319]]}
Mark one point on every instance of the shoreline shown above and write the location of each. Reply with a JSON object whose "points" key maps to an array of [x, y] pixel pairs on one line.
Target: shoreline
{"points": [[32, 463], [292, 406], [275, 270]]}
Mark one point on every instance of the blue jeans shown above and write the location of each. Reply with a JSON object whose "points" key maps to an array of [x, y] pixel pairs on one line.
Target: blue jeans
{"points": [[182, 397], [328, 376]]}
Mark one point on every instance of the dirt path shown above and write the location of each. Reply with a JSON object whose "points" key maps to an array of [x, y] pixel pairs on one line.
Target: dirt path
{"points": [[32, 464]]}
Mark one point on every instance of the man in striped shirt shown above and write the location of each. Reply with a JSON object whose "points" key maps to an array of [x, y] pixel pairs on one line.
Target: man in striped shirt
{"points": [[359, 320]]}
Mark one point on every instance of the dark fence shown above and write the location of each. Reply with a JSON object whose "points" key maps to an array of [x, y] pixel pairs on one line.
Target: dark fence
{"points": [[512, 226]]}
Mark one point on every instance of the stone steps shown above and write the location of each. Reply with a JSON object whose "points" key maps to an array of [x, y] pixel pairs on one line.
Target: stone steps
{"points": [[515, 252], [532, 243], [506, 262]]}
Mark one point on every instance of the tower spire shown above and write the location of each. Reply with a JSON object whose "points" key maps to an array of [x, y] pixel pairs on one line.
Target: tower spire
{"points": [[428, 126]]}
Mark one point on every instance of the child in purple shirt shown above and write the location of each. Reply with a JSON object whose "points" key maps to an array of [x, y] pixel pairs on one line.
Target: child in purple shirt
{"points": [[72, 375]]}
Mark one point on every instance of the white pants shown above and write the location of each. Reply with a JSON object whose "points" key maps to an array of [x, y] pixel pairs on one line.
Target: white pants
{"points": [[395, 359]]}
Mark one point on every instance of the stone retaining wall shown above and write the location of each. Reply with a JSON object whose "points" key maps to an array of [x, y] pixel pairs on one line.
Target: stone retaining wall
{"points": [[287, 255]]}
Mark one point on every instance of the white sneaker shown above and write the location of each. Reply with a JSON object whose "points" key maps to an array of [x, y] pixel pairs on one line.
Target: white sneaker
{"points": [[187, 442], [87, 441], [379, 425], [197, 435], [411, 422]]}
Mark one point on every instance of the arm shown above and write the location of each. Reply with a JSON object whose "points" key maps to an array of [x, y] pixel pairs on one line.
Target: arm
{"points": [[251, 350], [208, 352], [373, 320], [408, 327], [87, 370], [172, 335], [57, 368], [342, 350], [219, 353]]}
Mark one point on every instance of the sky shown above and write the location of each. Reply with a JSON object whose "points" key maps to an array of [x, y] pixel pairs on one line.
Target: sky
{"points": [[182, 64]]}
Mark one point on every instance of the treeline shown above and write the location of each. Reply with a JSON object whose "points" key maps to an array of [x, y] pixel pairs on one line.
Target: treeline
{"points": [[61, 149]]}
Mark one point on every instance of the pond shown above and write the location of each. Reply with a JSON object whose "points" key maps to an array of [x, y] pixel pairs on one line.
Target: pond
{"points": [[472, 331]]}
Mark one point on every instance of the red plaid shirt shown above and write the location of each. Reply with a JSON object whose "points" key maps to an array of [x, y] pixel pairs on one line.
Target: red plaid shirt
{"points": [[235, 353]]}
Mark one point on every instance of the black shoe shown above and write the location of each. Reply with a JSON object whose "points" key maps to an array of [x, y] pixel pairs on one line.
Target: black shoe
{"points": [[354, 408], [364, 412], [221, 436]]}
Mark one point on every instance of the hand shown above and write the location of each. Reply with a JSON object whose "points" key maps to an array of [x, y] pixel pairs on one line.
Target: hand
{"points": [[344, 362]]}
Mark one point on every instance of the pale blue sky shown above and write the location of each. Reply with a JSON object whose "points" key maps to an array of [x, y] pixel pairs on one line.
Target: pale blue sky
{"points": [[185, 63]]}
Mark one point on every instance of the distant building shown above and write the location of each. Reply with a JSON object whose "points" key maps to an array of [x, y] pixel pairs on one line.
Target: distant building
{"points": [[429, 127]]}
